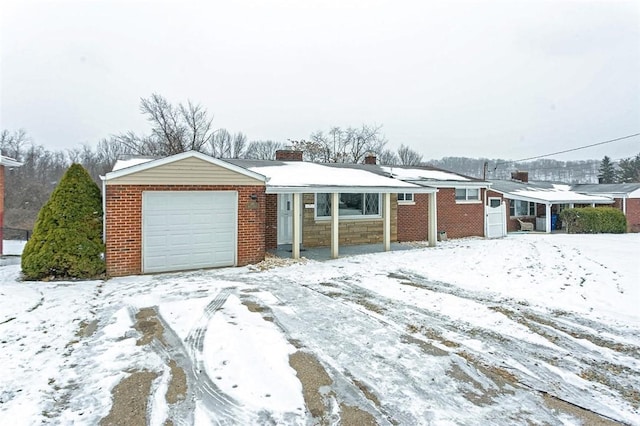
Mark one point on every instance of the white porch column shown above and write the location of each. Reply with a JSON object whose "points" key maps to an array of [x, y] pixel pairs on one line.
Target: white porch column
{"points": [[624, 206], [386, 220], [295, 247], [571, 205], [593, 204], [335, 200], [433, 220], [547, 219]]}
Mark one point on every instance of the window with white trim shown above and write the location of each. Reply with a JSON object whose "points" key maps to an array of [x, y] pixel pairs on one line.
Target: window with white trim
{"points": [[351, 205], [405, 198], [467, 194], [519, 208]]}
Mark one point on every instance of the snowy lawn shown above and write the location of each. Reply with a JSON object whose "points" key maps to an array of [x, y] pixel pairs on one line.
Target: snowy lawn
{"points": [[529, 329]]}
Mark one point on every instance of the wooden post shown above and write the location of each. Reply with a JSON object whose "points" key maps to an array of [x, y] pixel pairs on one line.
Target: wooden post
{"points": [[335, 237], [386, 220], [295, 246], [433, 220]]}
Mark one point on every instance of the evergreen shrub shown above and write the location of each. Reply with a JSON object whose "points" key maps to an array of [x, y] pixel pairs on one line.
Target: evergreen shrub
{"points": [[594, 220], [67, 237]]}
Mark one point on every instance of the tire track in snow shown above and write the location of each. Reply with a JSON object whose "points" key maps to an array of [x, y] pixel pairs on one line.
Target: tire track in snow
{"points": [[541, 364], [364, 347], [222, 409]]}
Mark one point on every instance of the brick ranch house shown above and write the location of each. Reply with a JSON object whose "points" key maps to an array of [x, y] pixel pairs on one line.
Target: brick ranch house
{"points": [[191, 211], [537, 202], [626, 197]]}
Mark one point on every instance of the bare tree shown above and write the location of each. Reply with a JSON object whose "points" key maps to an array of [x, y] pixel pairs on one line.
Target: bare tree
{"points": [[239, 145], [348, 145], [174, 129], [388, 158], [263, 150], [409, 157], [12, 143]]}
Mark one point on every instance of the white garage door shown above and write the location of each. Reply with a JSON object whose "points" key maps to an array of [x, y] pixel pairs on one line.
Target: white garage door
{"points": [[188, 229]]}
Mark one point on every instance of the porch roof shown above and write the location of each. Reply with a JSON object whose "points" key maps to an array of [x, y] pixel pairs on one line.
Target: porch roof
{"points": [[545, 193]]}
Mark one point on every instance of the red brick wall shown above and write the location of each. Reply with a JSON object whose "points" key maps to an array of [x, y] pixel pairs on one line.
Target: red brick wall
{"points": [[633, 214], [271, 223], [413, 219], [459, 219], [124, 224]]}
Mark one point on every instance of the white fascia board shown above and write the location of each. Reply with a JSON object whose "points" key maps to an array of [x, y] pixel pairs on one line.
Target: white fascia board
{"points": [[451, 184], [347, 189], [177, 157], [10, 162], [560, 201]]}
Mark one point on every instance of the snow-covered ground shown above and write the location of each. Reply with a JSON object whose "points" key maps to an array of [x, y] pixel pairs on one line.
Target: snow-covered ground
{"points": [[529, 329]]}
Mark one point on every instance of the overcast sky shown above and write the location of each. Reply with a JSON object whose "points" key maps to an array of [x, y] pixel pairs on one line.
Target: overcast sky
{"points": [[498, 79]]}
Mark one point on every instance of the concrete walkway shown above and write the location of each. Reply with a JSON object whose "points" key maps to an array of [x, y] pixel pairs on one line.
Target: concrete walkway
{"points": [[324, 253]]}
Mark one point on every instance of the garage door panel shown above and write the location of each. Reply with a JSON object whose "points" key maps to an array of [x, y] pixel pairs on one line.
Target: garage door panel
{"points": [[189, 229]]}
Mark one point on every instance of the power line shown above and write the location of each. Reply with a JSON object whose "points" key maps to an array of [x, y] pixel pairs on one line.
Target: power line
{"points": [[569, 150]]}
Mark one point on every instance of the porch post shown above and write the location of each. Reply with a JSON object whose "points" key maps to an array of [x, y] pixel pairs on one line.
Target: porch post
{"points": [[295, 246], [433, 220], [547, 218], [386, 220], [335, 200]]}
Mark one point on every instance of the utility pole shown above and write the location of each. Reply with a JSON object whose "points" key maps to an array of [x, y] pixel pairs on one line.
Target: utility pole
{"points": [[484, 170]]}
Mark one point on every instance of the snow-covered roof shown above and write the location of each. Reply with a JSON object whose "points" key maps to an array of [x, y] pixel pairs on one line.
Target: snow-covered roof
{"points": [[315, 177], [546, 192], [617, 190], [8, 161], [288, 176], [415, 174], [130, 162], [136, 165]]}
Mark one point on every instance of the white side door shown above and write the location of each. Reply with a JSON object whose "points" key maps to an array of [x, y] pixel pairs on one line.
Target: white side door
{"points": [[495, 218]]}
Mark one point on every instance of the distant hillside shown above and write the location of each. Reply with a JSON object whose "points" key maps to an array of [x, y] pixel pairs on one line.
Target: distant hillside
{"points": [[585, 171]]}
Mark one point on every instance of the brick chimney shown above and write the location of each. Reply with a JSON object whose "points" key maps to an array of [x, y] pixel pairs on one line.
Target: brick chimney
{"points": [[520, 176], [288, 155], [370, 159]]}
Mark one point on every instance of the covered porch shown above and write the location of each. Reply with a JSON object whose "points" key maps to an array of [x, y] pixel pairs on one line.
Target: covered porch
{"points": [[334, 218]]}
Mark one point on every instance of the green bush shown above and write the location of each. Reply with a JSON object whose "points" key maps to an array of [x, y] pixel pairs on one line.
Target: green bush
{"points": [[67, 236], [594, 220]]}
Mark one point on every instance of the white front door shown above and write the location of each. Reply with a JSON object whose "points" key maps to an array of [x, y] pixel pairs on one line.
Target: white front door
{"points": [[285, 218], [496, 218]]}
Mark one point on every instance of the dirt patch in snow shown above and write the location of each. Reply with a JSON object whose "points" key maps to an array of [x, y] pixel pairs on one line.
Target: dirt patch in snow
{"points": [[354, 416], [316, 391], [271, 261], [130, 400], [587, 417], [147, 323], [313, 377], [177, 389]]}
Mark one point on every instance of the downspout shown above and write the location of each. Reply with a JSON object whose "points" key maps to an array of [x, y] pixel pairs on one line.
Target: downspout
{"points": [[486, 213], [104, 209]]}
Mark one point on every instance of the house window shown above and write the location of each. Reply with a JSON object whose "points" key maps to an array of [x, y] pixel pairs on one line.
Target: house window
{"points": [[405, 198], [522, 208], [351, 205], [467, 194]]}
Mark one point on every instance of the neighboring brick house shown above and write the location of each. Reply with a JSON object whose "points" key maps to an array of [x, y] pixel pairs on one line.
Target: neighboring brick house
{"points": [[4, 162], [626, 197], [460, 207], [191, 211], [539, 203]]}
